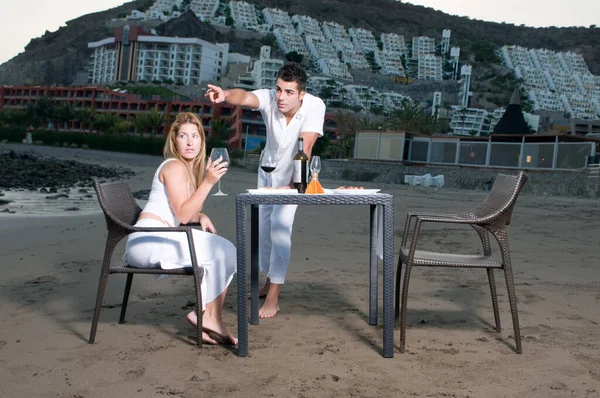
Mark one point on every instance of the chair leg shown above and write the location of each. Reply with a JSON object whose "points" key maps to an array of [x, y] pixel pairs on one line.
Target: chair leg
{"points": [[490, 273], [512, 298], [125, 298], [397, 291], [403, 308], [99, 299], [198, 289]]}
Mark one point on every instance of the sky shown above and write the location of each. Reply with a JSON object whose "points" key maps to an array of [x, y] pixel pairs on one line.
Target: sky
{"points": [[24, 20]]}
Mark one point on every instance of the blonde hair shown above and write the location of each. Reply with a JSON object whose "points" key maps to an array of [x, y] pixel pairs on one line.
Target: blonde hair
{"points": [[195, 169]]}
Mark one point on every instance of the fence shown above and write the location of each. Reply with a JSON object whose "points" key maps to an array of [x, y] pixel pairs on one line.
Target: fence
{"points": [[527, 155]]}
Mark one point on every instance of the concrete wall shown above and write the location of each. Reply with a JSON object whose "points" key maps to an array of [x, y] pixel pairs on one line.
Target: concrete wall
{"points": [[541, 182]]}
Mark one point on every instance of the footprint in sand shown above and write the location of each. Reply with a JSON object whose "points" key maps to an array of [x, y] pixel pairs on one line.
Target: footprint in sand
{"points": [[531, 298]]}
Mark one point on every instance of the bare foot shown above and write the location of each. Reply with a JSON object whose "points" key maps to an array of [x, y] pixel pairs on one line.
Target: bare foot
{"points": [[269, 309], [218, 328], [206, 339]]}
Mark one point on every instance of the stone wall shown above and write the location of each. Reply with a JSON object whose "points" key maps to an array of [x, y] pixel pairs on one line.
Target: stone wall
{"points": [[541, 182]]}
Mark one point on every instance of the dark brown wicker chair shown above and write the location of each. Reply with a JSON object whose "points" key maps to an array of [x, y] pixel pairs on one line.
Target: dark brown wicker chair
{"points": [[121, 212], [492, 215]]}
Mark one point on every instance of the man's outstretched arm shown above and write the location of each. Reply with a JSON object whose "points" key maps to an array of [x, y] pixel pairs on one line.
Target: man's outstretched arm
{"points": [[234, 96]]}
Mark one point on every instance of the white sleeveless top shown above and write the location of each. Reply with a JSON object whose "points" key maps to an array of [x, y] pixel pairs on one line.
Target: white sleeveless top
{"points": [[158, 201]]}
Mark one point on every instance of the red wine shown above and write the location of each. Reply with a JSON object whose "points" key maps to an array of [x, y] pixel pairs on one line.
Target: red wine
{"points": [[300, 167], [267, 169]]}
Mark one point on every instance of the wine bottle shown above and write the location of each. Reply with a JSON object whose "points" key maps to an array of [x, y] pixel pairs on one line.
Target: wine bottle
{"points": [[300, 167]]}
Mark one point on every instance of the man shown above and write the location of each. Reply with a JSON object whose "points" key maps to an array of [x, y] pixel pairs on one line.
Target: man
{"points": [[288, 112]]}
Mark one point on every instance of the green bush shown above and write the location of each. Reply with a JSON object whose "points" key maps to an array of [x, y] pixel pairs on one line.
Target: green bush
{"points": [[12, 134]]}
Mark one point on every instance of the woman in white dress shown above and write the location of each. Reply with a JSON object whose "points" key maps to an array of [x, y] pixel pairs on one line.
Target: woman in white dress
{"points": [[179, 188]]}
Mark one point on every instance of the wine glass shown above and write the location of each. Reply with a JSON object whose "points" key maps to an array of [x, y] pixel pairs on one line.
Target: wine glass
{"points": [[215, 154], [268, 163], [315, 167]]}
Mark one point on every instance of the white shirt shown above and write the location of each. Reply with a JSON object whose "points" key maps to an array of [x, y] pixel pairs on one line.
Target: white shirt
{"points": [[284, 138]]}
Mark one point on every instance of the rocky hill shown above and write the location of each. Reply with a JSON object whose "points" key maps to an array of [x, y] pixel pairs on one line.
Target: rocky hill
{"points": [[57, 57]]}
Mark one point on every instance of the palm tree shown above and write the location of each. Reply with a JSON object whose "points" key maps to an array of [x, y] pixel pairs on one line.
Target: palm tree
{"points": [[408, 118], [64, 114], [141, 123], [348, 125], [85, 116], [105, 122], [219, 134], [155, 121], [44, 110]]}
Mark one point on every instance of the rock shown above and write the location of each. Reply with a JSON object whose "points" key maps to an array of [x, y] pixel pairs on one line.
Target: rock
{"points": [[44, 190], [52, 190], [59, 196], [72, 209], [5, 210], [82, 190], [4, 202], [142, 195]]}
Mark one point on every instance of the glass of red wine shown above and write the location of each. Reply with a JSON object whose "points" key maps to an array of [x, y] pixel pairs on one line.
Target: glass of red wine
{"points": [[268, 163]]}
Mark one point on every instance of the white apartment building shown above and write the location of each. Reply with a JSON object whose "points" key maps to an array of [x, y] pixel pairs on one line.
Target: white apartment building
{"points": [[429, 67], [289, 40], [467, 121], [545, 100], [555, 81], [276, 18], [355, 95], [163, 9], [465, 85], [363, 40], [102, 65], [390, 62], [244, 15], [364, 96], [445, 44], [319, 47], [393, 43], [205, 10], [307, 26], [316, 84], [262, 72], [342, 43], [392, 101], [422, 46], [333, 67], [156, 58]]}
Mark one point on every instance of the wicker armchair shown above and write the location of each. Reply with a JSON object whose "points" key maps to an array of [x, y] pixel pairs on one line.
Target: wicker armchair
{"points": [[121, 212], [492, 215]]}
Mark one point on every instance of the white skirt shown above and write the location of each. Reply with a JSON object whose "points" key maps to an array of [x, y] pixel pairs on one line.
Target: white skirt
{"points": [[169, 250]]}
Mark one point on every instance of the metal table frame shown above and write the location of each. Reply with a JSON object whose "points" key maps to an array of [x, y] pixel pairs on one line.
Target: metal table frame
{"points": [[376, 202]]}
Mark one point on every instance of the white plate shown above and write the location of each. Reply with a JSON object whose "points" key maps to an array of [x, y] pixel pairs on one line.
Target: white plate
{"points": [[355, 191], [272, 191]]}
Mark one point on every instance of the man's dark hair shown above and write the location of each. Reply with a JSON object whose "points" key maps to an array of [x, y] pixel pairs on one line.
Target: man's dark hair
{"points": [[292, 72]]}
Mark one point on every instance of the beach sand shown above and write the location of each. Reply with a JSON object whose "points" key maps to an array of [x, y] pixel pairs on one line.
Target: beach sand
{"points": [[320, 344]]}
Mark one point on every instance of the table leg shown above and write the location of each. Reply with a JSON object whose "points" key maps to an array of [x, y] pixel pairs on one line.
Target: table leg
{"points": [[254, 264], [240, 211], [388, 280], [373, 274]]}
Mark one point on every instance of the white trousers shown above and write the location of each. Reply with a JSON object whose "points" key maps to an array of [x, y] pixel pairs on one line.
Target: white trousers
{"points": [[275, 240], [169, 250]]}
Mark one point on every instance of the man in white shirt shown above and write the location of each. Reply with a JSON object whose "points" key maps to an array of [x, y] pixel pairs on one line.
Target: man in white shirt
{"points": [[288, 112]]}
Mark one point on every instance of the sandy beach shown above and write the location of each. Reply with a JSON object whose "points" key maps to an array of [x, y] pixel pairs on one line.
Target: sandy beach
{"points": [[320, 344]]}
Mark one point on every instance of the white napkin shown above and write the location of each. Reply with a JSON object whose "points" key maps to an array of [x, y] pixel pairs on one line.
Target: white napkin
{"points": [[379, 217]]}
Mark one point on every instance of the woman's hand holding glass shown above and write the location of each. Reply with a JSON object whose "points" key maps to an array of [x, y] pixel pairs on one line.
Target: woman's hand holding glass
{"points": [[217, 167]]}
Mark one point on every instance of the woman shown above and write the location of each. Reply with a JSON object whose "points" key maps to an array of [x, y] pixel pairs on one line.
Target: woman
{"points": [[179, 188]]}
